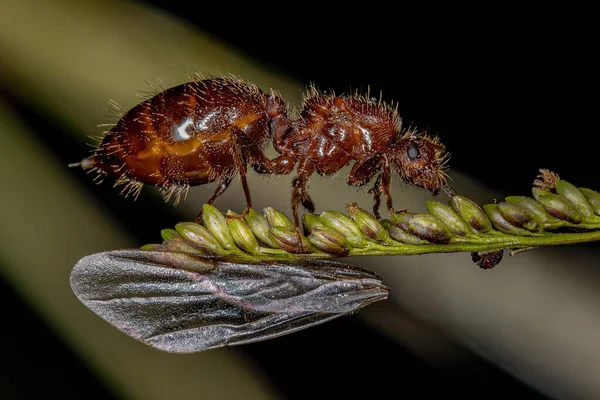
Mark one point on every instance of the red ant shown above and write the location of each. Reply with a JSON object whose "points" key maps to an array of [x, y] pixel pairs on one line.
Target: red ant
{"points": [[208, 130]]}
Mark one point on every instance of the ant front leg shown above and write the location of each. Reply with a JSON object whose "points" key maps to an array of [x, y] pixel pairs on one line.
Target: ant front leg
{"points": [[222, 185]]}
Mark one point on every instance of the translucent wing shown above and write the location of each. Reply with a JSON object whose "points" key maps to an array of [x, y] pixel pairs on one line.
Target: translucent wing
{"points": [[185, 303]]}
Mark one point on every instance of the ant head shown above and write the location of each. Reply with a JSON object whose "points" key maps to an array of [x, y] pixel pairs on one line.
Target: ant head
{"points": [[420, 160]]}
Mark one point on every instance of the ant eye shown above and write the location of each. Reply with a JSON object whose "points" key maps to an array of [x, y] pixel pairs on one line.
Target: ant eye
{"points": [[413, 152]]}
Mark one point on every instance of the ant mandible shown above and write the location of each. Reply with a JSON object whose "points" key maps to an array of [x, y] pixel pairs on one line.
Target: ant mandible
{"points": [[210, 129]]}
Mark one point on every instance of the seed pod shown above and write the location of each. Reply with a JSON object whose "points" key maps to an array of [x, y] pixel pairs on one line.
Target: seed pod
{"points": [[519, 216], [367, 223], [312, 221], [533, 206], [168, 234], [447, 214], [472, 213], [260, 228], [593, 198], [537, 192], [288, 241], [400, 235], [344, 225], [561, 208], [181, 245], [216, 223], [243, 236], [153, 247], [425, 226], [487, 259], [501, 223], [329, 241], [571, 193], [277, 218], [199, 235]]}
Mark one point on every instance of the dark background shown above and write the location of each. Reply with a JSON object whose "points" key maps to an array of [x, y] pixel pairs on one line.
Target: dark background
{"points": [[507, 91]]}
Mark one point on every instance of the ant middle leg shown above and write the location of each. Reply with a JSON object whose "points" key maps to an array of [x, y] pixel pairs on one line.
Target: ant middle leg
{"points": [[383, 184], [362, 172], [300, 196]]}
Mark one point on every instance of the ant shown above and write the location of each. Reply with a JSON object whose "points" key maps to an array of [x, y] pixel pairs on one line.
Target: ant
{"points": [[209, 130]]}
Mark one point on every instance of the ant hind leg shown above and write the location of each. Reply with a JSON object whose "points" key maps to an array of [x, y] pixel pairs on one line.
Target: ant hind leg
{"points": [[222, 185]]}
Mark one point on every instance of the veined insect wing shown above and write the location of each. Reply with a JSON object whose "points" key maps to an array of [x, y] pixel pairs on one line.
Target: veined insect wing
{"points": [[184, 303]]}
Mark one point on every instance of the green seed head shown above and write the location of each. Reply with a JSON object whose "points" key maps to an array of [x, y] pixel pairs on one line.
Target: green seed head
{"points": [[471, 213], [312, 221], [344, 225], [260, 227], [533, 206], [425, 226], [153, 247], [329, 241], [559, 207], [216, 223], [501, 223], [168, 234], [367, 223], [398, 234], [288, 241], [452, 220], [277, 218], [519, 216], [200, 236], [243, 236], [571, 193], [537, 192], [181, 245], [593, 198]]}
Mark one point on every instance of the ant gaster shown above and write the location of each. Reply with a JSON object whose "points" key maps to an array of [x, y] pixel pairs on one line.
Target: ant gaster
{"points": [[208, 130]]}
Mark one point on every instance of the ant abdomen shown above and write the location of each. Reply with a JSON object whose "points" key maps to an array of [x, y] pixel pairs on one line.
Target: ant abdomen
{"points": [[187, 135]]}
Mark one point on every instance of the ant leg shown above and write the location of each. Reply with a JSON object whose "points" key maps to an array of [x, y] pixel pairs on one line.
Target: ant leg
{"points": [[281, 165], [387, 187], [300, 195], [222, 185], [296, 199], [376, 192], [362, 172], [305, 199], [298, 185], [242, 169]]}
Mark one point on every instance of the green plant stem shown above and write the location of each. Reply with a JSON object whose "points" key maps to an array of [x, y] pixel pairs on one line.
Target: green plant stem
{"points": [[489, 242]]}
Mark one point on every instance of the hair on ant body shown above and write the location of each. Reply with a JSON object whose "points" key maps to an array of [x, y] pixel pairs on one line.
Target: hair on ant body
{"points": [[209, 130]]}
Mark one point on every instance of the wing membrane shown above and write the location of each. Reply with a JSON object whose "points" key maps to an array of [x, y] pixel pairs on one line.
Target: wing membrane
{"points": [[184, 303]]}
